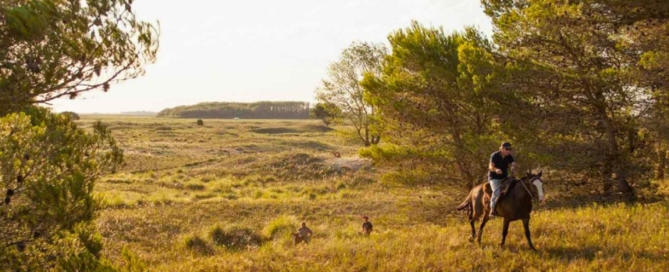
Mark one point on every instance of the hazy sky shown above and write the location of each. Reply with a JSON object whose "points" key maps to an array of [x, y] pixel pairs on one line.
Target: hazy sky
{"points": [[246, 51]]}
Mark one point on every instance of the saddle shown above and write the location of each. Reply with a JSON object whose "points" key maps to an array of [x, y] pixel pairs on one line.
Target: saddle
{"points": [[505, 187]]}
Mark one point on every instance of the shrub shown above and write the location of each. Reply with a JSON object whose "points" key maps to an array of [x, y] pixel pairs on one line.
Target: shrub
{"points": [[200, 122], [195, 187], [49, 168], [281, 226], [235, 237], [199, 245]]}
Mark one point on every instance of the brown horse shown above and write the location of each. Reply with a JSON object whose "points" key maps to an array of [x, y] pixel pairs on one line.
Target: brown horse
{"points": [[515, 205]]}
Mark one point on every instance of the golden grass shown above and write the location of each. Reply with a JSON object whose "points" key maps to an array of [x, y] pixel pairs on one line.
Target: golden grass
{"points": [[180, 184]]}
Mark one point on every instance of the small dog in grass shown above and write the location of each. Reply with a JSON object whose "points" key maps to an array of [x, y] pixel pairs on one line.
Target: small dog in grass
{"points": [[297, 238]]}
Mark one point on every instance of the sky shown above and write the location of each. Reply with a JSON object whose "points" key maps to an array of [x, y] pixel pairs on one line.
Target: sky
{"points": [[260, 50]]}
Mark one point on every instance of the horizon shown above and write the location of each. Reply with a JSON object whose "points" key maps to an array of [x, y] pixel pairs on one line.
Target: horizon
{"points": [[240, 53]]}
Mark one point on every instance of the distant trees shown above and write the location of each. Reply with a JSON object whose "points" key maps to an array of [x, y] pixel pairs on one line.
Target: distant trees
{"points": [[325, 112], [72, 115], [257, 110], [342, 89]]}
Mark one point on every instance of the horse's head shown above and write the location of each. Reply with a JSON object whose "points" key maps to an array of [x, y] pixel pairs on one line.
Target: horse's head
{"points": [[537, 185]]}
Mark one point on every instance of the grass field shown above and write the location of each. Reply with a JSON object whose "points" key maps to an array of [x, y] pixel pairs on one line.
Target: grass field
{"points": [[226, 195]]}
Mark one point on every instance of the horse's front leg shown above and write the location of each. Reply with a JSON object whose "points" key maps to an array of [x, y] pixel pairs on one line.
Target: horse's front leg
{"points": [[505, 231], [526, 225]]}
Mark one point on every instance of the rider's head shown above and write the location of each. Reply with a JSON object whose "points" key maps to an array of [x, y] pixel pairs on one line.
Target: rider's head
{"points": [[505, 148], [304, 224]]}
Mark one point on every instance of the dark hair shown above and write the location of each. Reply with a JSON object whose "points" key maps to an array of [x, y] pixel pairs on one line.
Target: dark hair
{"points": [[505, 145]]}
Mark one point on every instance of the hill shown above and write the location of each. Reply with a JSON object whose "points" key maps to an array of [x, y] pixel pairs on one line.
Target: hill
{"points": [[257, 110]]}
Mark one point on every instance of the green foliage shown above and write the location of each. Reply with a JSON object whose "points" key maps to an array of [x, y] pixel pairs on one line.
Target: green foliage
{"points": [[342, 90], [326, 112], [200, 122], [445, 112], [78, 249], [49, 167], [257, 110], [575, 65], [61, 48]]}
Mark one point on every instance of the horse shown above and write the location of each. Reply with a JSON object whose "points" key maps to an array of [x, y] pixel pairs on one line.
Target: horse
{"points": [[515, 205]]}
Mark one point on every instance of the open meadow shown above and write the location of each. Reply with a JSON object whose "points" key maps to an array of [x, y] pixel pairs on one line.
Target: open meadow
{"points": [[226, 195]]}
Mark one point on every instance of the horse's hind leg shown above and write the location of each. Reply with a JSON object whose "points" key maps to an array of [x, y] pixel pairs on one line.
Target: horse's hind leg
{"points": [[526, 225], [471, 223], [505, 231], [483, 222]]}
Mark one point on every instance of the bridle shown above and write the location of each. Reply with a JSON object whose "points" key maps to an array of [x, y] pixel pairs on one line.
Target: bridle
{"points": [[527, 189]]}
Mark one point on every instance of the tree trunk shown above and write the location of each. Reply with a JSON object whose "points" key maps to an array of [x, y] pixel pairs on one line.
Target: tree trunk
{"points": [[607, 174], [661, 163], [617, 161], [467, 174], [623, 186], [376, 139]]}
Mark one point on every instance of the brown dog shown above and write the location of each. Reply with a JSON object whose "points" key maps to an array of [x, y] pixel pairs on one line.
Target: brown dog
{"points": [[297, 238]]}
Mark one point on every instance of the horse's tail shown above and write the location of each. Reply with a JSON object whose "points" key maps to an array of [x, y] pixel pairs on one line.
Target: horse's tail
{"points": [[467, 204]]}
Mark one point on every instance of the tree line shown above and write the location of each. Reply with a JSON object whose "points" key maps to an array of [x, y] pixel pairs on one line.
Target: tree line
{"points": [[580, 87], [257, 110]]}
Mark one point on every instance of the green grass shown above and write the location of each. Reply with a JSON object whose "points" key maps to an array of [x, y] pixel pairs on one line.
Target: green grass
{"points": [[189, 194]]}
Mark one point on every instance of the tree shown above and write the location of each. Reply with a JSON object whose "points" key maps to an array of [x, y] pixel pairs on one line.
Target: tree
{"points": [[325, 112], [435, 111], [342, 88], [573, 62], [61, 48], [72, 115], [48, 168]]}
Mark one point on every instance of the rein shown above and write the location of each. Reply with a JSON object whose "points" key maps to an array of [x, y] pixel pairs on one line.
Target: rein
{"points": [[527, 189]]}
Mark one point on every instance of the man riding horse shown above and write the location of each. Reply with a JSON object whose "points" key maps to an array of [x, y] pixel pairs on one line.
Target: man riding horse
{"points": [[499, 166], [516, 203]]}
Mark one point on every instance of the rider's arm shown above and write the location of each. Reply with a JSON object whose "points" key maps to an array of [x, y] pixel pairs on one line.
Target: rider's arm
{"points": [[491, 167]]}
